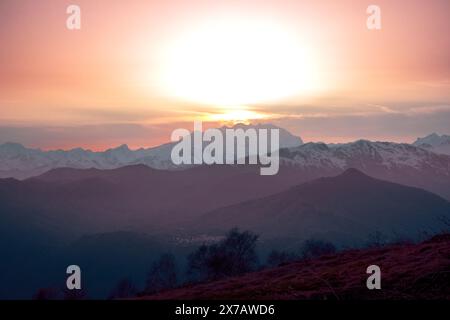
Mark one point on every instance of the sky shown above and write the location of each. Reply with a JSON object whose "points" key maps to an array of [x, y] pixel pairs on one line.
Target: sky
{"points": [[136, 70]]}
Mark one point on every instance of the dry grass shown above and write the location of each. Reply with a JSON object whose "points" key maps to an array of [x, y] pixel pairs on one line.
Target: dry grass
{"points": [[419, 271]]}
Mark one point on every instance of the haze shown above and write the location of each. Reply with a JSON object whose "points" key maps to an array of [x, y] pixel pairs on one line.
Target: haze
{"points": [[139, 69]]}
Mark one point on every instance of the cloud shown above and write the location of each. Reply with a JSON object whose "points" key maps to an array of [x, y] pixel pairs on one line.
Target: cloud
{"points": [[97, 137], [385, 125], [400, 122], [429, 109]]}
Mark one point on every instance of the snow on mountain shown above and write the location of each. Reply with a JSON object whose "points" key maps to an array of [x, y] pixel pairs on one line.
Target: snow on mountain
{"points": [[434, 142], [20, 162], [366, 155], [157, 157], [399, 160], [396, 162], [287, 139]]}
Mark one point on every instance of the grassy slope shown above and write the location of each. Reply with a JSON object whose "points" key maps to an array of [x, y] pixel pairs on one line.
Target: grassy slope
{"points": [[420, 271]]}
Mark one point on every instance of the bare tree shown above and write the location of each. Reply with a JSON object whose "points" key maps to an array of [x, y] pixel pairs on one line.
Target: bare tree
{"points": [[162, 274], [234, 255]]}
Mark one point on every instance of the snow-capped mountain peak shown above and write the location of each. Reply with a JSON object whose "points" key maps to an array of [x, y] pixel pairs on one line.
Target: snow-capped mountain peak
{"points": [[11, 147], [287, 139], [434, 142], [21, 162], [363, 154]]}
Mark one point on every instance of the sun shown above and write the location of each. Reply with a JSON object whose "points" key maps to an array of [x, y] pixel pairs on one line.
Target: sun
{"points": [[236, 115], [235, 62]]}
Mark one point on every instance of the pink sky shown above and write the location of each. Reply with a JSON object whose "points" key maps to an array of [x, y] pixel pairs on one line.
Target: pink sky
{"points": [[100, 86]]}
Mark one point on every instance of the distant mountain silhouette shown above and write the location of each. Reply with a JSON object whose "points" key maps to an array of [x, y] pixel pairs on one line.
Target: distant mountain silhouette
{"points": [[69, 202], [68, 214], [396, 162], [344, 208], [418, 165]]}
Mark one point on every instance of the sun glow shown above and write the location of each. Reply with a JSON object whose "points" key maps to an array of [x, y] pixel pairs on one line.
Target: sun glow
{"points": [[236, 62], [237, 115]]}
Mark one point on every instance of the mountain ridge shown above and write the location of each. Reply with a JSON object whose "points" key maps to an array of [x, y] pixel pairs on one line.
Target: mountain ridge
{"points": [[20, 162], [396, 162], [347, 206]]}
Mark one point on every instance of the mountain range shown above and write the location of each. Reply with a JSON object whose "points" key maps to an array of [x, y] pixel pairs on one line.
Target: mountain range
{"points": [[70, 202], [396, 162], [343, 209], [17, 161], [104, 208], [120, 220]]}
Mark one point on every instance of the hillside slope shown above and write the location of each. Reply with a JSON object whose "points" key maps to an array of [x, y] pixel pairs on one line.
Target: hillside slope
{"points": [[345, 208], [82, 201], [419, 271], [395, 162]]}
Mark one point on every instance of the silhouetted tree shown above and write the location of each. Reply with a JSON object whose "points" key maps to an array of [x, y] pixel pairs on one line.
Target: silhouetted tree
{"points": [[276, 258], [124, 289], [233, 255], [315, 248], [162, 275]]}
